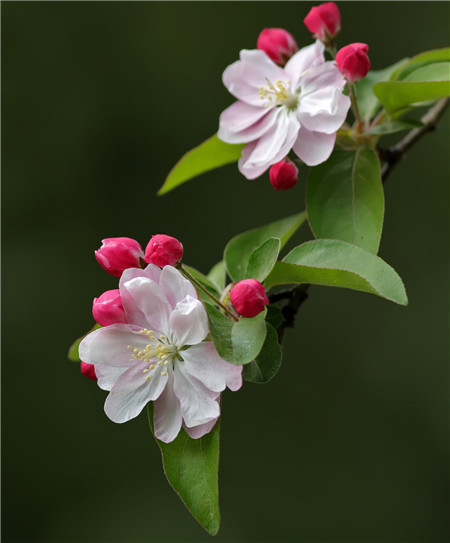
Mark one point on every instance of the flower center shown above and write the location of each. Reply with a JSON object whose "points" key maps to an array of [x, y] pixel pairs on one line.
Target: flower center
{"points": [[158, 353], [278, 94]]}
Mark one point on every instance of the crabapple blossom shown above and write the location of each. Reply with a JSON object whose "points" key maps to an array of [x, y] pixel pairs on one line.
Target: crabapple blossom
{"points": [[353, 62], [278, 44], [107, 308], [324, 21], [299, 107], [283, 175], [88, 370], [249, 297], [163, 251], [160, 355], [117, 254]]}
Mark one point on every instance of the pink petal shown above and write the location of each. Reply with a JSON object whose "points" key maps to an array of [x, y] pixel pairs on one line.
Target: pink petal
{"points": [[134, 315], [167, 413], [108, 375], [314, 147], [324, 110], [199, 431], [305, 58], [188, 322], [234, 129], [175, 286]]}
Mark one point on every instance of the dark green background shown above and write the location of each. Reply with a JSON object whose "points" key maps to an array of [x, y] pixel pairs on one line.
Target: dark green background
{"points": [[350, 442]]}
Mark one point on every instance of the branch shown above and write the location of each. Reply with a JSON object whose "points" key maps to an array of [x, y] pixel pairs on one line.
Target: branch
{"points": [[393, 155], [296, 297]]}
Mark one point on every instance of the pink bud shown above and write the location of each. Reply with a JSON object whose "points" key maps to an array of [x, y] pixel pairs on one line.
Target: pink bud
{"points": [[119, 254], [163, 251], [283, 175], [324, 21], [88, 370], [107, 308], [278, 44], [248, 297], [353, 62]]}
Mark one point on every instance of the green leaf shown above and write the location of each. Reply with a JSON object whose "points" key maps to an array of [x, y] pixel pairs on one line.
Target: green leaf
{"points": [[345, 198], [274, 315], [217, 275], [263, 258], [192, 468], [268, 362], [439, 71], [238, 342], [388, 126], [73, 350], [339, 264], [368, 103], [238, 250], [209, 155], [423, 59]]}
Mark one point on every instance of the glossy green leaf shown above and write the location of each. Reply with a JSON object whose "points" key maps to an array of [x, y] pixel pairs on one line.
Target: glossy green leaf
{"points": [[209, 155], [388, 126], [238, 342], [239, 249], [268, 362], [339, 264], [274, 315], [345, 198], [263, 258], [217, 275], [368, 103], [423, 59], [73, 350], [192, 469]]}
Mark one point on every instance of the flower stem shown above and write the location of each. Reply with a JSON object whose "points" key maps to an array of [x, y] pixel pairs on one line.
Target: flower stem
{"points": [[352, 96], [203, 289]]}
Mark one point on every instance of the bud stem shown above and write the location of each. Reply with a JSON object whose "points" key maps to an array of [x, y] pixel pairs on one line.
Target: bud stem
{"points": [[352, 96], [203, 289]]}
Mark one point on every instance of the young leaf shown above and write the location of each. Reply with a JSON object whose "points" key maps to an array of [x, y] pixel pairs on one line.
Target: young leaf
{"points": [[339, 264], [268, 362], [73, 350], [262, 259], [209, 155], [192, 469], [423, 59], [238, 342], [345, 199], [217, 275], [238, 250]]}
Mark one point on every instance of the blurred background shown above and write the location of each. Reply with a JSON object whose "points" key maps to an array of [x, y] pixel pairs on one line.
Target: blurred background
{"points": [[349, 443]]}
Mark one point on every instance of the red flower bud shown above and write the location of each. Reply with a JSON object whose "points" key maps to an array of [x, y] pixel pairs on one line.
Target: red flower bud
{"points": [[88, 370], [324, 21], [278, 44], [107, 309], [163, 251], [249, 297], [283, 175], [119, 254], [353, 62]]}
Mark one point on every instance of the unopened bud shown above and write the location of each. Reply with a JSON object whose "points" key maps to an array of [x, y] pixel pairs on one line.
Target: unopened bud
{"points": [[278, 44], [107, 309], [163, 251], [353, 62], [283, 175], [324, 21], [119, 254], [88, 370], [249, 297]]}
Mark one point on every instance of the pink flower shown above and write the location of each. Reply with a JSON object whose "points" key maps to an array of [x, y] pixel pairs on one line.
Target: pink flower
{"points": [[160, 355], [249, 297], [283, 175], [278, 44], [88, 371], [118, 254], [163, 251], [107, 309], [324, 21], [353, 62], [299, 107]]}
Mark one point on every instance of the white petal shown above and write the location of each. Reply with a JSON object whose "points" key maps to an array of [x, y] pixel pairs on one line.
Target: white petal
{"points": [[149, 303], [133, 313], [132, 392], [246, 169], [238, 129], [324, 110], [198, 404], [199, 431], [167, 413], [188, 322], [304, 59], [108, 375], [109, 345], [203, 362], [175, 286], [314, 147], [324, 75]]}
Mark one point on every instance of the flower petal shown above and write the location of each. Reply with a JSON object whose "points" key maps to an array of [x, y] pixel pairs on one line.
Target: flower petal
{"points": [[314, 147], [134, 314], [236, 126], [324, 110], [203, 362], [167, 413], [199, 431], [108, 375], [175, 286], [321, 76], [188, 322], [303, 60], [108, 346], [246, 169], [198, 404], [131, 392]]}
